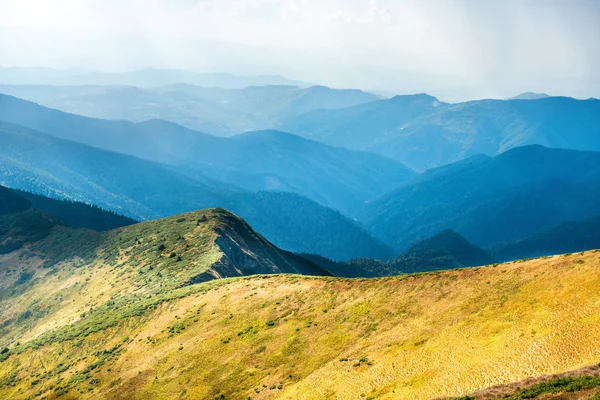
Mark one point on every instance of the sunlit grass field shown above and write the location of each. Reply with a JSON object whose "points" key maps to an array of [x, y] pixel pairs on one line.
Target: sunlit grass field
{"points": [[126, 323]]}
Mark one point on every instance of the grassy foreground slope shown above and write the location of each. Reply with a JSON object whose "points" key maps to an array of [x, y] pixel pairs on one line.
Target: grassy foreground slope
{"points": [[579, 384], [112, 329]]}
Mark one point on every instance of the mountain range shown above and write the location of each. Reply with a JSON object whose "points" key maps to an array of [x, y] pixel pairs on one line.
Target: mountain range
{"points": [[267, 160], [422, 132], [143, 77], [418, 131], [142, 189], [219, 111], [490, 200], [444, 250], [163, 239]]}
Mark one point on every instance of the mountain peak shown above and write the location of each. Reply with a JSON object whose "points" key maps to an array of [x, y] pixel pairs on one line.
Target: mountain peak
{"points": [[529, 96], [236, 247], [449, 249], [417, 97]]}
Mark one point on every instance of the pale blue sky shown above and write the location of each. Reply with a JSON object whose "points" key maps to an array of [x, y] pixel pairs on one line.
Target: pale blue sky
{"points": [[455, 49]]}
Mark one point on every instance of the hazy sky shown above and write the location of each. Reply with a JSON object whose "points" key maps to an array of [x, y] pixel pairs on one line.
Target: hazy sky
{"points": [[455, 49]]}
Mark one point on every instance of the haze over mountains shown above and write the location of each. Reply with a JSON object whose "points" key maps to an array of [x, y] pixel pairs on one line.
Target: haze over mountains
{"points": [[299, 199], [164, 239], [203, 170], [421, 132], [262, 160], [416, 130], [491, 200], [144, 78], [142, 189], [216, 110]]}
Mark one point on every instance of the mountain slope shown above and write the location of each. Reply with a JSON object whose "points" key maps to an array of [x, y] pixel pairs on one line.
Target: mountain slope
{"points": [[77, 214], [445, 250], [568, 237], [116, 328], [267, 160], [141, 189], [491, 200], [423, 133], [150, 258], [579, 384], [222, 112], [73, 213], [11, 202], [337, 178], [361, 126]]}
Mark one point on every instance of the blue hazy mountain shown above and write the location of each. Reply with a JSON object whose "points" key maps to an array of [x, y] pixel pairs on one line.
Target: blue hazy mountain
{"points": [[144, 78], [361, 126], [529, 96], [567, 237], [267, 160], [422, 133], [142, 189], [218, 111], [491, 201]]}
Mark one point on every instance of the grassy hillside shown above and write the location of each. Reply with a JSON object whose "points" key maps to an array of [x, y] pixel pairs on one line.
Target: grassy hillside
{"points": [[580, 384], [130, 322]]}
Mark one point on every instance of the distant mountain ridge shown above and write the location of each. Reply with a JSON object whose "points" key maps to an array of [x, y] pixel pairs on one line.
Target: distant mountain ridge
{"points": [[490, 200], [218, 111], [567, 237], [267, 160], [141, 189], [529, 96], [143, 77], [444, 250], [422, 133]]}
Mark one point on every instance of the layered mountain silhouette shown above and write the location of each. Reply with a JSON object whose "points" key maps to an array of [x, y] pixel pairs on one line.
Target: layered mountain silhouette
{"points": [[421, 132], [490, 201], [235, 284], [148, 77], [529, 96], [141, 189], [219, 111], [567, 237], [444, 250], [267, 160]]}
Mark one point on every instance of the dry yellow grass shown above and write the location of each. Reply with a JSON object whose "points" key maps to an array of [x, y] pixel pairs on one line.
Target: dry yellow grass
{"points": [[291, 337]]}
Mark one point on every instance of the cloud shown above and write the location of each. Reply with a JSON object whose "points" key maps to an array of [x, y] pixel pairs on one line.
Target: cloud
{"points": [[399, 45]]}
